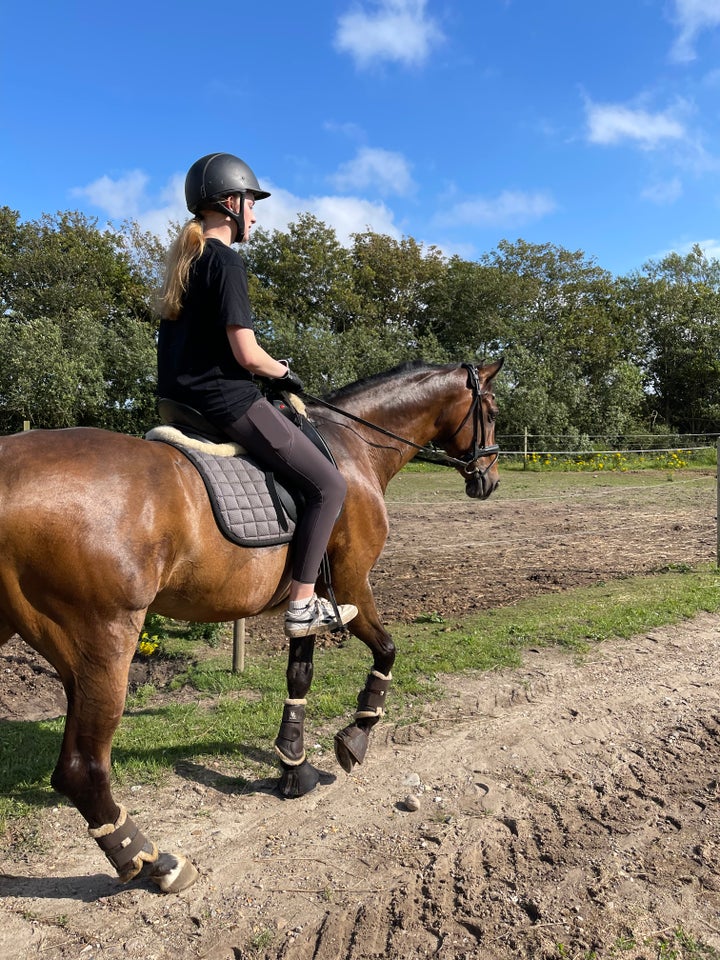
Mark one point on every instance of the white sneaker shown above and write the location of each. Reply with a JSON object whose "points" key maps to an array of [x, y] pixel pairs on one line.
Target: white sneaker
{"points": [[318, 617]]}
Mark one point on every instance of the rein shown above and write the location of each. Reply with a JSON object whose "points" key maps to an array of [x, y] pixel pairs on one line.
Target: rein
{"points": [[432, 454]]}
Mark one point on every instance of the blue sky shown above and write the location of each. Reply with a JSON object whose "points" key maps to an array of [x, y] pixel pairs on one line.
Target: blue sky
{"points": [[591, 125]]}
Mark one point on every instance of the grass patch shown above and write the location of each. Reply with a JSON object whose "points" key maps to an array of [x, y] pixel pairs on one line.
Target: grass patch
{"points": [[574, 619], [235, 717], [432, 485], [677, 945]]}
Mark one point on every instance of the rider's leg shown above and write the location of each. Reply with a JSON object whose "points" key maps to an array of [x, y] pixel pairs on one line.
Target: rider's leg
{"points": [[268, 435]]}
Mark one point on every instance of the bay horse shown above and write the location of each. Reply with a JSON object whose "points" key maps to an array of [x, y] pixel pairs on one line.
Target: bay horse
{"points": [[97, 529]]}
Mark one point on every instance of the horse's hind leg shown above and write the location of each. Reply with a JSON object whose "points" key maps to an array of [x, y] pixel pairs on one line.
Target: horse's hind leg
{"points": [[298, 777], [96, 689]]}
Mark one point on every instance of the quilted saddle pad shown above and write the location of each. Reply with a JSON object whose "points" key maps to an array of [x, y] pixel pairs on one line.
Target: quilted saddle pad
{"points": [[250, 508]]}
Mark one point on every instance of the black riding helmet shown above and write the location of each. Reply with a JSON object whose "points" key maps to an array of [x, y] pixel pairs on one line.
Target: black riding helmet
{"points": [[212, 178]]}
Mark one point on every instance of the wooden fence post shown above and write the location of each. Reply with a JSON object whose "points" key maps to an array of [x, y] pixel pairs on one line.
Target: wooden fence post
{"points": [[238, 660]]}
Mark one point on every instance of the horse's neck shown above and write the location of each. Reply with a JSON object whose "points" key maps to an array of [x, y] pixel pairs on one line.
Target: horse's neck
{"points": [[399, 409]]}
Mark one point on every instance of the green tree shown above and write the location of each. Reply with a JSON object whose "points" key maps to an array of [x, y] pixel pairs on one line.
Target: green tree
{"points": [[568, 347], [585, 353], [395, 281], [675, 303], [77, 332], [466, 309], [303, 299], [303, 275], [340, 314]]}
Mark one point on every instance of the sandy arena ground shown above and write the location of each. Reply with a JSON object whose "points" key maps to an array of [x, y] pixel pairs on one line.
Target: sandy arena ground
{"points": [[566, 809]]}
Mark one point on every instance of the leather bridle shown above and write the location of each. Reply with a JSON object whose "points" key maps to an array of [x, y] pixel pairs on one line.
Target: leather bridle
{"points": [[468, 462]]}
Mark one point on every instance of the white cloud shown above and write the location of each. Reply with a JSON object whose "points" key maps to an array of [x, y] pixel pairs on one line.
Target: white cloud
{"points": [[663, 193], [712, 79], [346, 215], [127, 198], [692, 17], [509, 208], [610, 123], [119, 198], [379, 171], [348, 129], [158, 219], [710, 247], [395, 30]]}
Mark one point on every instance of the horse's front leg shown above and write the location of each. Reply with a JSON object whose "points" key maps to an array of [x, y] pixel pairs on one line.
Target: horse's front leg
{"points": [[352, 742], [299, 776]]}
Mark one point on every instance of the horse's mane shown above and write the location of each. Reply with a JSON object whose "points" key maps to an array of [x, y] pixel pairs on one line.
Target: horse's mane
{"points": [[377, 379]]}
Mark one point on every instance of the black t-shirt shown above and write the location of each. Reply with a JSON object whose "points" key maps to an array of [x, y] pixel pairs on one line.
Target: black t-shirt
{"points": [[196, 365]]}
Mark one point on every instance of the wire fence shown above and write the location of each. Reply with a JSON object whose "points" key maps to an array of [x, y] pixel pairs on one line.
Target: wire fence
{"points": [[642, 451], [528, 444], [576, 534], [585, 451]]}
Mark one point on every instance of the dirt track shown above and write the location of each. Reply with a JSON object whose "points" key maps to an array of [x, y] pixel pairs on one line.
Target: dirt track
{"points": [[567, 809]]}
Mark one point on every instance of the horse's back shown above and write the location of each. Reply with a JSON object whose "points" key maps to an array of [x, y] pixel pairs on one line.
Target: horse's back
{"points": [[81, 475], [114, 524], [84, 514], [69, 454]]}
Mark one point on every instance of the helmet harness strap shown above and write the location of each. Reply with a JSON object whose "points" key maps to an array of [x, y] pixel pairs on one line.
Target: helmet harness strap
{"points": [[237, 218]]}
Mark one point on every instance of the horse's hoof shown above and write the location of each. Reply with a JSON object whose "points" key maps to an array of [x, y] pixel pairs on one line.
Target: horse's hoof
{"points": [[351, 746], [172, 873], [297, 781]]}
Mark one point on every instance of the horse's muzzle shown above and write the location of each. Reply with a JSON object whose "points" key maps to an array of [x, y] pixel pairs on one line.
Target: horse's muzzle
{"points": [[479, 486]]}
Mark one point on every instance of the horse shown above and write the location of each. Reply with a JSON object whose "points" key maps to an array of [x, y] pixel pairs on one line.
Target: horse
{"points": [[99, 528]]}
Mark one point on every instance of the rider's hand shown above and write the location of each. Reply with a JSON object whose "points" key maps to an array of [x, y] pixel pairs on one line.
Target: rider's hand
{"points": [[292, 382]]}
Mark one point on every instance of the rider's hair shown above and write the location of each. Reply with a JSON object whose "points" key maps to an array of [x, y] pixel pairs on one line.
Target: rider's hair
{"points": [[187, 247]]}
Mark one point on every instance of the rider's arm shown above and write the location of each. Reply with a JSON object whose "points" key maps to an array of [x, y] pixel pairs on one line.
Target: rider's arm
{"points": [[250, 355]]}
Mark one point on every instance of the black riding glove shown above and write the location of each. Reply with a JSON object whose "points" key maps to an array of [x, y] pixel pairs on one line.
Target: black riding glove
{"points": [[292, 382]]}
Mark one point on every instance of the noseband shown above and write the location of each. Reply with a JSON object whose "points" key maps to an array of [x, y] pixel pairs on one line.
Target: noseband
{"points": [[468, 462]]}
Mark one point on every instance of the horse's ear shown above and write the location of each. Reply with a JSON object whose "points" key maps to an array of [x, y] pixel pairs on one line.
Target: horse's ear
{"points": [[490, 370]]}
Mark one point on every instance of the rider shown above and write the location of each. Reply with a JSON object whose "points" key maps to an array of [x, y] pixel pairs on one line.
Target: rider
{"points": [[208, 357]]}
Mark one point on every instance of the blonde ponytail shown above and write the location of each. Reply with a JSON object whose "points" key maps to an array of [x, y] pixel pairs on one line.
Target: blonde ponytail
{"points": [[187, 247]]}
